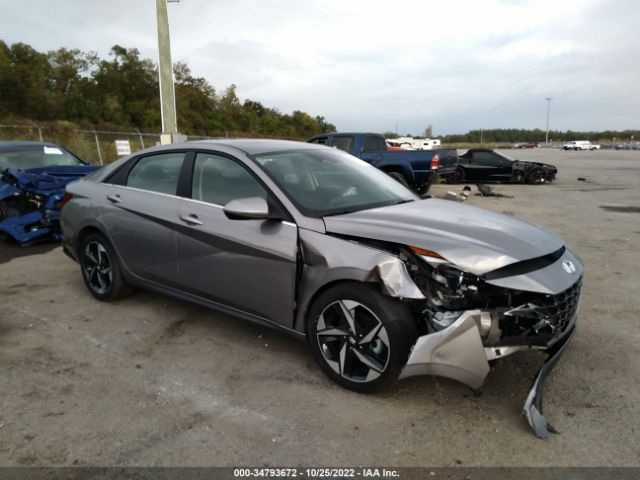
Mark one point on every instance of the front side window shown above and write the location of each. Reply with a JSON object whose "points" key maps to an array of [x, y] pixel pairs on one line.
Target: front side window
{"points": [[157, 173], [218, 180], [328, 182]]}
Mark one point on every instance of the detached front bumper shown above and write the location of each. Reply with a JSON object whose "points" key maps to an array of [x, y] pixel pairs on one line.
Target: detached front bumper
{"points": [[459, 352]]}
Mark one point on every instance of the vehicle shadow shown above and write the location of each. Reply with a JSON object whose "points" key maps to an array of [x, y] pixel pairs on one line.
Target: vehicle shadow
{"points": [[10, 250]]}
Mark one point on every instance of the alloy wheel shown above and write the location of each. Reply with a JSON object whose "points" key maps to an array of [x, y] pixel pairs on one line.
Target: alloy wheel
{"points": [[353, 341], [537, 176], [97, 267]]}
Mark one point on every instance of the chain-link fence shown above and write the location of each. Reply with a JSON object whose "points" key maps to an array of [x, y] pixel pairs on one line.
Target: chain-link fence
{"points": [[94, 146]]}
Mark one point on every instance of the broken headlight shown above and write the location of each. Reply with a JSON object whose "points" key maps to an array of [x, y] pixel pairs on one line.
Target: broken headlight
{"points": [[449, 288], [449, 291]]}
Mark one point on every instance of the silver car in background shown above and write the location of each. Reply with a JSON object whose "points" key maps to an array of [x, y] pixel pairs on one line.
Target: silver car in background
{"points": [[315, 242]]}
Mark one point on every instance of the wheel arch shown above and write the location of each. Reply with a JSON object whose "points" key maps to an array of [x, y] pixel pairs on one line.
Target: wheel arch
{"points": [[85, 232], [324, 267]]}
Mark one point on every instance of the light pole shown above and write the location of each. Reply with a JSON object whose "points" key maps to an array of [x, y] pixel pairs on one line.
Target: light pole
{"points": [[165, 76], [546, 137]]}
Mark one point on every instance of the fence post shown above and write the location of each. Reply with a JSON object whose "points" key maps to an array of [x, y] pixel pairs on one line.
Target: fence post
{"points": [[98, 146], [141, 141], [40, 133]]}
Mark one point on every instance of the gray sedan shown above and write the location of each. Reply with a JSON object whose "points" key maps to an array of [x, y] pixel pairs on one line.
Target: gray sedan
{"points": [[315, 242]]}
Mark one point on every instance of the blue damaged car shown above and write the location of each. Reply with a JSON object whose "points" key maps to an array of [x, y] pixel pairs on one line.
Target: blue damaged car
{"points": [[33, 177]]}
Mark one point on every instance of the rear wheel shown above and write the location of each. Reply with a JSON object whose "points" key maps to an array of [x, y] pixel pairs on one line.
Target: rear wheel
{"points": [[398, 177], [359, 337], [456, 177], [101, 271]]}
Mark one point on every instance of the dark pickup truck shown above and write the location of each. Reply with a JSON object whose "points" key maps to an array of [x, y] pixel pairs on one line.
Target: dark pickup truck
{"points": [[417, 169]]}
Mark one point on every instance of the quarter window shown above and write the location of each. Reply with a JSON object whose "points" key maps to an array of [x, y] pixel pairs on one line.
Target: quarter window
{"points": [[219, 180], [157, 173]]}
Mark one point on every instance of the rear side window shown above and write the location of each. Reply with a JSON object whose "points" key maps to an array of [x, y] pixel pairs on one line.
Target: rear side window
{"points": [[374, 143], [218, 180], [157, 173]]}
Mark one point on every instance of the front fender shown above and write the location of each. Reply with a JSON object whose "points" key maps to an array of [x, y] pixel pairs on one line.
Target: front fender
{"points": [[328, 259]]}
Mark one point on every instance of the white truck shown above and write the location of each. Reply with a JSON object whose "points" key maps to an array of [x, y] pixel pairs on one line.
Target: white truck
{"points": [[410, 143], [580, 145]]}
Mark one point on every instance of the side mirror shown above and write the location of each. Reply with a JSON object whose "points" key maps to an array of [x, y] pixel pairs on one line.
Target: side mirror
{"points": [[247, 208]]}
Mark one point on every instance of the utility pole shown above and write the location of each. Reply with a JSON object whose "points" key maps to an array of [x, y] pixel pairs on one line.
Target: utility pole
{"points": [[546, 138], [165, 75]]}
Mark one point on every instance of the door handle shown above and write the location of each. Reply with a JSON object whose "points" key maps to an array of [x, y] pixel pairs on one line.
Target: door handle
{"points": [[191, 219], [114, 198]]}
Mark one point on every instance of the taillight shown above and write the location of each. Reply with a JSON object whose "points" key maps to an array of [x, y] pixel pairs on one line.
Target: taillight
{"points": [[61, 203], [435, 162]]}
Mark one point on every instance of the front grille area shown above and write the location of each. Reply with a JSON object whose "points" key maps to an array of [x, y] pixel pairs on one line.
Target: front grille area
{"points": [[541, 318]]}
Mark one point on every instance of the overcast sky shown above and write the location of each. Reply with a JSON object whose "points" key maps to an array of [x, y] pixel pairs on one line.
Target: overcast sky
{"points": [[367, 65]]}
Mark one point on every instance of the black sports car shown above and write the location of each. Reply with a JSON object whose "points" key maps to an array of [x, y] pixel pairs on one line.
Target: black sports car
{"points": [[486, 165]]}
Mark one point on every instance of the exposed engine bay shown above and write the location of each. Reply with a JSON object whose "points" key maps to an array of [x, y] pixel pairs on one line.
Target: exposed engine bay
{"points": [[30, 202]]}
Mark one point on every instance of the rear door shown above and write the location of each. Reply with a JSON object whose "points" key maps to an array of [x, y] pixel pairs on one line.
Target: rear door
{"points": [[140, 214], [246, 265]]}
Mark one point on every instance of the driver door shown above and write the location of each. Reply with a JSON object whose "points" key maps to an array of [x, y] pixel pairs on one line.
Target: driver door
{"points": [[246, 265]]}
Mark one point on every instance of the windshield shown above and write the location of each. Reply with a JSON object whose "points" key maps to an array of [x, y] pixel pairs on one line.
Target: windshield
{"points": [[329, 182], [37, 157]]}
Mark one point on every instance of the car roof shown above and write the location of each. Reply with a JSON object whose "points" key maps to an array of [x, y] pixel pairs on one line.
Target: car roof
{"points": [[481, 150], [249, 146], [12, 145]]}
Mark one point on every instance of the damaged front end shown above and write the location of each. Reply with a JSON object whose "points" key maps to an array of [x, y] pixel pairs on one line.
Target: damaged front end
{"points": [[467, 321], [30, 203]]}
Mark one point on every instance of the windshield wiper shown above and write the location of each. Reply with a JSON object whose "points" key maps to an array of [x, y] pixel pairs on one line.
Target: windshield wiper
{"points": [[357, 209], [342, 212]]}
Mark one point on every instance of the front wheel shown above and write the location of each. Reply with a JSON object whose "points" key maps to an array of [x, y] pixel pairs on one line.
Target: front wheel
{"points": [[359, 337], [536, 176]]}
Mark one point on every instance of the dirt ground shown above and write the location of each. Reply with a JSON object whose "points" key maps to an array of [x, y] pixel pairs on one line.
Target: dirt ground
{"points": [[151, 380]]}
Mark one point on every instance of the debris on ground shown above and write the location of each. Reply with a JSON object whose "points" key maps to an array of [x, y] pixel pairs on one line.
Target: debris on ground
{"points": [[582, 179], [458, 197], [488, 191]]}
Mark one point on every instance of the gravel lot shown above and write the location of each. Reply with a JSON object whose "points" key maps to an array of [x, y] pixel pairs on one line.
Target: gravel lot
{"points": [[155, 381]]}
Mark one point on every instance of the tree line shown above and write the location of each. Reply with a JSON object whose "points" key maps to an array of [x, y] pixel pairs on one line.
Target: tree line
{"points": [[512, 135], [122, 91]]}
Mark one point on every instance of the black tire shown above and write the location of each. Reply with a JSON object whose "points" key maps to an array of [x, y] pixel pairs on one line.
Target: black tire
{"points": [[456, 177], [398, 177], [100, 269], [388, 350], [536, 176], [424, 189]]}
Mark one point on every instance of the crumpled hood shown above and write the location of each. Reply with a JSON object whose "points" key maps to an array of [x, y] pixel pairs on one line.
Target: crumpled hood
{"points": [[474, 239], [46, 180]]}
